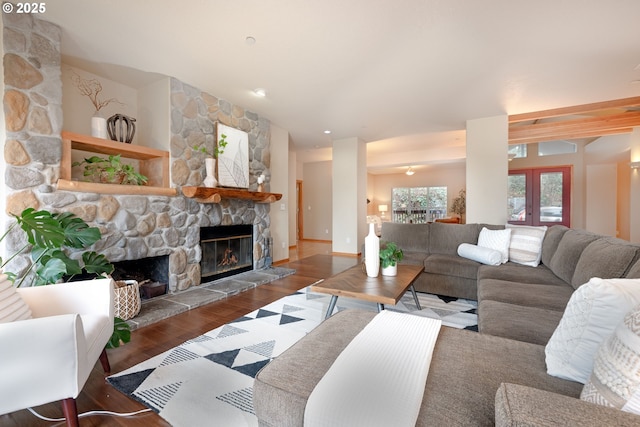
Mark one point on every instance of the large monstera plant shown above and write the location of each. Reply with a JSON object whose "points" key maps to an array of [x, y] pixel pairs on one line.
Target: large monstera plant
{"points": [[52, 237]]}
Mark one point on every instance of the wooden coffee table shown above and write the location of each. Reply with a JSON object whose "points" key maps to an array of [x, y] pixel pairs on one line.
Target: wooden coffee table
{"points": [[355, 283]]}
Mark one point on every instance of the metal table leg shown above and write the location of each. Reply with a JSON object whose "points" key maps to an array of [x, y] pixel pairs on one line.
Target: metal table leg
{"points": [[415, 297], [332, 305], [380, 307]]}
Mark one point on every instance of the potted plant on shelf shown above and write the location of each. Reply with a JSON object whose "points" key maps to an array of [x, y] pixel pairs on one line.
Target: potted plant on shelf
{"points": [[210, 162], [51, 236], [111, 171], [390, 255]]}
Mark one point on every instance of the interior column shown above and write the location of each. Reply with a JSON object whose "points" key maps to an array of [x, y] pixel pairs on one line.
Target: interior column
{"points": [[487, 170], [349, 195]]}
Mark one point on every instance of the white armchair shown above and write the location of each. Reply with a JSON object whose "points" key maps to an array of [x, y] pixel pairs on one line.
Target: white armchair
{"points": [[49, 357]]}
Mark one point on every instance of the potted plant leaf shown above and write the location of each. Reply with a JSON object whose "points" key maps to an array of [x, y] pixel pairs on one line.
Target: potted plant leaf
{"points": [[51, 237], [111, 171], [390, 255]]}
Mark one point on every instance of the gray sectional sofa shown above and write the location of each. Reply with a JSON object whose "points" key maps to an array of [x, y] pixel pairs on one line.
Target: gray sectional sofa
{"points": [[495, 377]]}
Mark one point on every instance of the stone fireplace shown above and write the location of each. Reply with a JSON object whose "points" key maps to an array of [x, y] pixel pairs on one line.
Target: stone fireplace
{"points": [[134, 227]]}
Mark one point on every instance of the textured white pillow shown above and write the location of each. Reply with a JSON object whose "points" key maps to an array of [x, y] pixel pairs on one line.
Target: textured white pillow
{"points": [[479, 254], [615, 381], [526, 244], [498, 240], [592, 314], [12, 306]]}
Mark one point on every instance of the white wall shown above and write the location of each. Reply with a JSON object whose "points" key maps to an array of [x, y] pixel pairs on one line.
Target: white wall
{"points": [[279, 183], [451, 176], [317, 201], [601, 202], [293, 196], [487, 170], [153, 119], [635, 188], [349, 195]]}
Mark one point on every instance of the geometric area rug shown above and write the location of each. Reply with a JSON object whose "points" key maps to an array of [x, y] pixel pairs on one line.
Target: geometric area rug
{"points": [[208, 380]]}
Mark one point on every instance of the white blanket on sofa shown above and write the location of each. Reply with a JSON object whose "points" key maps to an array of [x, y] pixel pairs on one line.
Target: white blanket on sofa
{"points": [[379, 378]]}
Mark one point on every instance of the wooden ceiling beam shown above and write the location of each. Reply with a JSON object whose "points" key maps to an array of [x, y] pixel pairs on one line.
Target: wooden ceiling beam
{"points": [[572, 129], [576, 110]]}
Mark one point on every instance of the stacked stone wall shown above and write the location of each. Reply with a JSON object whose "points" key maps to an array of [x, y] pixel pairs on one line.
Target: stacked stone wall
{"points": [[133, 227]]}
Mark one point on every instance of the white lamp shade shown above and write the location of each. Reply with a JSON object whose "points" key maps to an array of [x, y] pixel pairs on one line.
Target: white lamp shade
{"points": [[383, 208]]}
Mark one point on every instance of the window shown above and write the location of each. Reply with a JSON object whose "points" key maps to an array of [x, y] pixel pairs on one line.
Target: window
{"points": [[552, 148], [540, 196], [418, 205], [517, 151]]}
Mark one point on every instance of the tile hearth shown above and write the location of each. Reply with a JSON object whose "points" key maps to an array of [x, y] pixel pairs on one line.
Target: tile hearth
{"points": [[159, 308]]}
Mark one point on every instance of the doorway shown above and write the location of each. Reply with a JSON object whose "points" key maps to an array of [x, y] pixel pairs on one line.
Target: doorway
{"points": [[540, 196], [299, 222]]}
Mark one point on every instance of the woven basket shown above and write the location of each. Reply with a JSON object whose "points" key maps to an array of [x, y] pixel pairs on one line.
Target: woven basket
{"points": [[126, 299]]}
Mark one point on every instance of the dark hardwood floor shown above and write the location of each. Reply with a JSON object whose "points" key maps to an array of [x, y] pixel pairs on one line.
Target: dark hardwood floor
{"points": [[310, 260]]}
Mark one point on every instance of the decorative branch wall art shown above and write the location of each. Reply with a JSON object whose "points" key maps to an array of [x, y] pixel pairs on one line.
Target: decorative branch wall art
{"points": [[233, 163]]}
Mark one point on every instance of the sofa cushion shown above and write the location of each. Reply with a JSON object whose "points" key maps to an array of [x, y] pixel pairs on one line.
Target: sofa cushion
{"points": [[551, 297], [564, 261], [551, 240], [519, 405], [526, 244], [520, 273], [12, 306], [480, 254], [529, 324], [498, 240], [466, 371], [451, 265], [408, 237], [615, 378], [413, 258], [634, 271], [281, 389], [593, 312], [445, 238], [605, 258]]}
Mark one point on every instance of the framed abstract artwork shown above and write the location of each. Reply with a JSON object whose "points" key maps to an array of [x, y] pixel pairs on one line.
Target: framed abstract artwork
{"points": [[233, 162]]}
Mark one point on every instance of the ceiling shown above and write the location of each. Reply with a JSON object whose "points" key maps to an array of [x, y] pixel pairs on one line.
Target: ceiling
{"points": [[402, 75]]}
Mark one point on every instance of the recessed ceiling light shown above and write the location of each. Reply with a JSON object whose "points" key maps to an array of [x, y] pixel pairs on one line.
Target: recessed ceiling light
{"points": [[250, 41], [327, 131], [260, 92]]}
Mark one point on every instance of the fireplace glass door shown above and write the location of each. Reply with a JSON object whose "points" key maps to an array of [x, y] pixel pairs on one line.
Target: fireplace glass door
{"points": [[225, 255]]}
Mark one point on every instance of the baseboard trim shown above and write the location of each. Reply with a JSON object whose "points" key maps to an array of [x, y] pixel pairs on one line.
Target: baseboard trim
{"points": [[348, 254]]}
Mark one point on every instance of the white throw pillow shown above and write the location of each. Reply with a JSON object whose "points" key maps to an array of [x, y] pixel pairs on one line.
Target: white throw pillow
{"points": [[526, 244], [615, 381], [498, 240], [593, 312], [479, 254], [12, 306]]}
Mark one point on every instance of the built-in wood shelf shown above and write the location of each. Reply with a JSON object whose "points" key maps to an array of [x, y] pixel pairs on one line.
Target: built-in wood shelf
{"points": [[216, 194], [152, 163]]}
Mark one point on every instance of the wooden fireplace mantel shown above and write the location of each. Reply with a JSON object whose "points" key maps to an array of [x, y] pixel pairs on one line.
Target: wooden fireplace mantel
{"points": [[215, 194]]}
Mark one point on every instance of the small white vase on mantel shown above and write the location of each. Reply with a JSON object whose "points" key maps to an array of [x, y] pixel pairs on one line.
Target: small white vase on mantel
{"points": [[98, 126], [210, 167], [372, 252]]}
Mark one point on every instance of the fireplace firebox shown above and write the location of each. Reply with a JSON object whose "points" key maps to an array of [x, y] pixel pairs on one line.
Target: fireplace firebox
{"points": [[226, 250]]}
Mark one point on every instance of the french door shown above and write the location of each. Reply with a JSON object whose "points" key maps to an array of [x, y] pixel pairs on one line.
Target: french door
{"points": [[540, 196]]}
